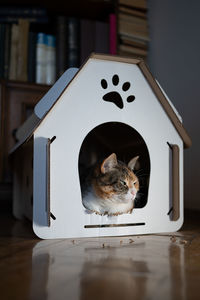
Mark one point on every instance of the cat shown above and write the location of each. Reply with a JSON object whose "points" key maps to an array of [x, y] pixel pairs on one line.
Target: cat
{"points": [[111, 187]]}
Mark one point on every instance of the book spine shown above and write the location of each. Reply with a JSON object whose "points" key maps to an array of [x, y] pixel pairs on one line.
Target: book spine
{"points": [[73, 49], [32, 56], [14, 19], [7, 51], [50, 59], [113, 34], [22, 58], [87, 38], [101, 37], [20, 11], [14, 52], [2, 43], [61, 45], [41, 58]]}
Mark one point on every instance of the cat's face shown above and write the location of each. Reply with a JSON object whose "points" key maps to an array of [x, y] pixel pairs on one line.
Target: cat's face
{"points": [[115, 181]]}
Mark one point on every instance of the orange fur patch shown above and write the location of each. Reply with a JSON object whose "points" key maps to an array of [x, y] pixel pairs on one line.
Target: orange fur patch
{"points": [[131, 179], [103, 192], [107, 191]]}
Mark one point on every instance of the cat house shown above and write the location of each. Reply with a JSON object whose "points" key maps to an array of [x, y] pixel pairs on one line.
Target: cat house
{"points": [[110, 105]]}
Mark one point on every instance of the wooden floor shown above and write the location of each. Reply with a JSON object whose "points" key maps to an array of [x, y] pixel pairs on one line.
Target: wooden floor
{"points": [[165, 266]]}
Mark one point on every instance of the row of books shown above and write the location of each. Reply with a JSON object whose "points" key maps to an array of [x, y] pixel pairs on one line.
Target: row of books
{"points": [[41, 56], [133, 28], [15, 27], [78, 38]]}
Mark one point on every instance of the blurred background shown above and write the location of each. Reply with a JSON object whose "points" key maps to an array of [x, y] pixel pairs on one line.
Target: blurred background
{"points": [[174, 60], [166, 34]]}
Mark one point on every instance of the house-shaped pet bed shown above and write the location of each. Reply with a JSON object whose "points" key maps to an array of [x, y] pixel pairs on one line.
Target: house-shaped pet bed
{"points": [[110, 105]]}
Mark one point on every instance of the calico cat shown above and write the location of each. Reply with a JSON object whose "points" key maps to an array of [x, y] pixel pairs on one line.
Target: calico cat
{"points": [[111, 187]]}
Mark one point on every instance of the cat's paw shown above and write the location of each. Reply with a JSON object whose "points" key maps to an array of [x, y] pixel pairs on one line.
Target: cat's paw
{"points": [[114, 96]]}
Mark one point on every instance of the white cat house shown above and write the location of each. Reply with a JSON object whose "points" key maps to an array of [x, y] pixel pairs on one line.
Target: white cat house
{"points": [[111, 104]]}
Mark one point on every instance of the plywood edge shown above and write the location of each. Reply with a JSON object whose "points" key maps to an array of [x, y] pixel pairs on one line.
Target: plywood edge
{"points": [[27, 127], [115, 58]]}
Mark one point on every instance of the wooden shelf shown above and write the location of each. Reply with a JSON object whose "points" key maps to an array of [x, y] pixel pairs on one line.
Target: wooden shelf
{"points": [[93, 9], [17, 100]]}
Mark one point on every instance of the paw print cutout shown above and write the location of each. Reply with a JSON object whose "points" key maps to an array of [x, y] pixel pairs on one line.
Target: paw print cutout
{"points": [[114, 96]]}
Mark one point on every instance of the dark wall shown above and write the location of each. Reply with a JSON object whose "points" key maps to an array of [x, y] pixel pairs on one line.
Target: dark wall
{"points": [[174, 59]]}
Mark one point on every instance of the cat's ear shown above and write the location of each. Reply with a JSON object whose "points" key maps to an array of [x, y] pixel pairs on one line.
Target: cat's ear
{"points": [[109, 163], [132, 163]]}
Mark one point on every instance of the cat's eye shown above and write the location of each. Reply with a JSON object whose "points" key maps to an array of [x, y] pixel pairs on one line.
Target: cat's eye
{"points": [[123, 182], [135, 182]]}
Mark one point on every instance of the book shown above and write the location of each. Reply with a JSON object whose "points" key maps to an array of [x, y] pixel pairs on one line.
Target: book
{"points": [[102, 43], [133, 41], [131, 11], [12, 13], [133, 29], [41, 58], [14, 52], [73, 42], [22, 57], [61, 45], [113, 34], [45, 59], [50, 59], [138, 4], [87, 39], [20, 10], [14, 19], [132, 55], [133, 50], [2, 42], [95, 37], [139, 21], [7, 50], [32, 56]]}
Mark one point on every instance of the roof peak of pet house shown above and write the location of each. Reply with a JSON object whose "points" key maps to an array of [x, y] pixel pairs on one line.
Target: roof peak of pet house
{"points": [[44, 106]]}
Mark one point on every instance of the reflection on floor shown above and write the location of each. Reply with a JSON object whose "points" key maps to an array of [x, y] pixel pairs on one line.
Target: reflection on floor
{"points": [[165, 266]]}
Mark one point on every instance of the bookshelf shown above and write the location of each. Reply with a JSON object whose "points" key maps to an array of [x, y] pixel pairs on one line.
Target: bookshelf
{"points": [[41, 42], [17, 100], [20, 86], [19, 90]]}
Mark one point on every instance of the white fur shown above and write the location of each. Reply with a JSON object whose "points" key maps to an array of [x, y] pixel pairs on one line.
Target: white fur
{"points": [[116, 205]]}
